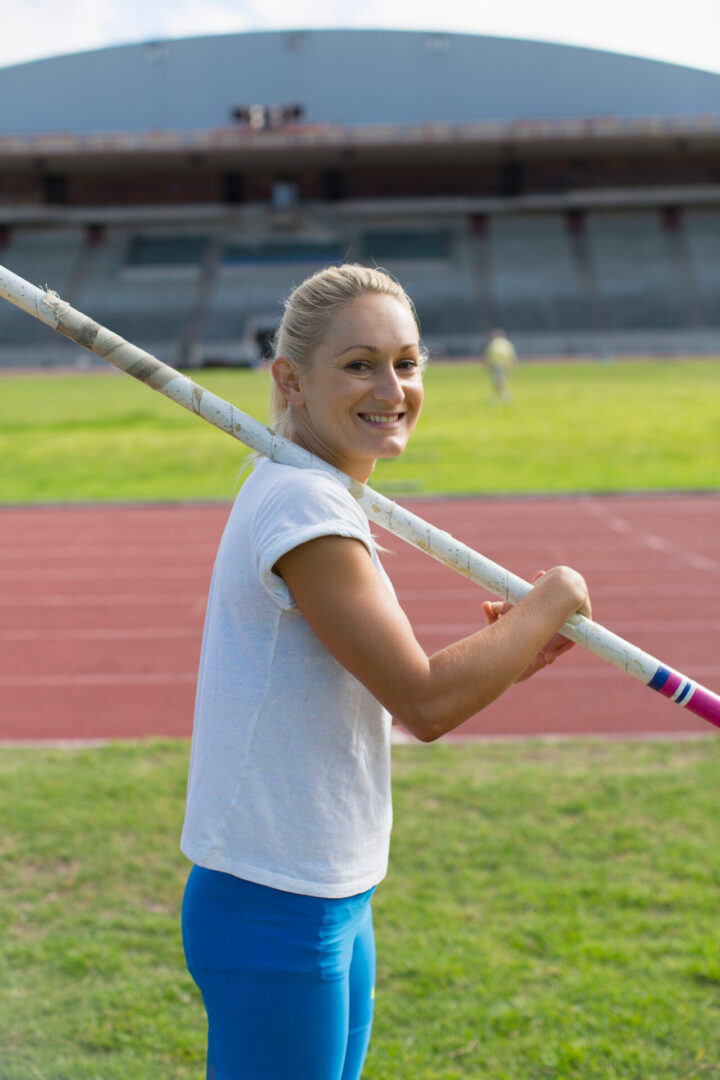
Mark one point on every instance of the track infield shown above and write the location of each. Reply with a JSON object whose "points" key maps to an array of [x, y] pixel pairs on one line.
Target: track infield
{"points": [[101, 610]]}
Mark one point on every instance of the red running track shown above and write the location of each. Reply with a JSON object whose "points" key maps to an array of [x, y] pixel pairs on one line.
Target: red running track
{"points": [[101, 610]]}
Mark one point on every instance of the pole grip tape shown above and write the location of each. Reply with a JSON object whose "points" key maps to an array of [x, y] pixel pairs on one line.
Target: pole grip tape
{"points": [[683, 691]]}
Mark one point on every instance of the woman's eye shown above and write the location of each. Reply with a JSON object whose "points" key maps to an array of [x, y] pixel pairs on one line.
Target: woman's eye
{"points": [[358, 365], [407, 365]]}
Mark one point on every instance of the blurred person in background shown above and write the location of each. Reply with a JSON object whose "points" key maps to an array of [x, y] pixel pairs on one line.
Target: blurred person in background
{"points": [[500, 356]]}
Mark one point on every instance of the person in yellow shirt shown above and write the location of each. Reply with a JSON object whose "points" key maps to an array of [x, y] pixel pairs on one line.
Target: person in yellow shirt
{"points": [[500, 355]]}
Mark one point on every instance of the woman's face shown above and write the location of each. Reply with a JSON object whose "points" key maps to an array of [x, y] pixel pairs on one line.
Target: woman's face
{"points": [[362, 395]]}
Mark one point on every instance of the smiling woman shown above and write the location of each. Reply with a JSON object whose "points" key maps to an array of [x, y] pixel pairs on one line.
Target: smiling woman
{"points": [[306, 657]]}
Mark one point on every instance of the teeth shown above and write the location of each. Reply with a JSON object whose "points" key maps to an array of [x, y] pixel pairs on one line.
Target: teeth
{"points": [[379, 418]]}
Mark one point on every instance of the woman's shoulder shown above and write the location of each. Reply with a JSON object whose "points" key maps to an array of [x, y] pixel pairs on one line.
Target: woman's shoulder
{"points": [[290, 492], [271, 476]]}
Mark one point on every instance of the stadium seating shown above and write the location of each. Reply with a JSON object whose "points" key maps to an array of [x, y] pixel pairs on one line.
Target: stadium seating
{"points": [[146, 302], [43, 257], [634, 272], [702, 230], [625, 280], [536, 285]]}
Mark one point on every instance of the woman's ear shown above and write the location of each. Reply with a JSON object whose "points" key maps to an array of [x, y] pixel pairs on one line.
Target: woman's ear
{"points": [[287, 380]]}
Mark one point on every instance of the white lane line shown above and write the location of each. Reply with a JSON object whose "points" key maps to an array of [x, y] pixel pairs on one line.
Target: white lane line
{"points": [[123, 551], [658, 589], [186, 677], [104, 600], [398, 737], [124, 599], [144, 678], [65, 744], [104, 573], [103, 633], [650, 540]]}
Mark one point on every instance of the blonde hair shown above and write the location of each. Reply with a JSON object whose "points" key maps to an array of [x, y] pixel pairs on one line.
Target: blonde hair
{"points": [[308, 312]]}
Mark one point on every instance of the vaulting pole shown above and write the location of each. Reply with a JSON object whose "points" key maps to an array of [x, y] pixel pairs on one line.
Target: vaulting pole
{"points": [[56, 313]]}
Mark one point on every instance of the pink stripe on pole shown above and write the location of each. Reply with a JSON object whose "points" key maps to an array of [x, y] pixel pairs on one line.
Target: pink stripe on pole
{"points": [[705, 704], [671, 684]]}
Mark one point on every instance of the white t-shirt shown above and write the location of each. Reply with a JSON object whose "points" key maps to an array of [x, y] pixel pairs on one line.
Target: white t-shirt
{"points": [[289, 780]]}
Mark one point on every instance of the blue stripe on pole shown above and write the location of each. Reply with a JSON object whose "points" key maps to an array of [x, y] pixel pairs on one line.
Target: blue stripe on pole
{"points": [[660, 677], [686, 691]]}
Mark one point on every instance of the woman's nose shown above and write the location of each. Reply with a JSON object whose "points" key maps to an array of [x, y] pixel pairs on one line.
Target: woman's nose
{"points": [[388, 386]]}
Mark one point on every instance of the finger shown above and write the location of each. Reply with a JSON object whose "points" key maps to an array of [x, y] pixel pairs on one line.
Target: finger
{"points": [[552, 652], [489, 611]]}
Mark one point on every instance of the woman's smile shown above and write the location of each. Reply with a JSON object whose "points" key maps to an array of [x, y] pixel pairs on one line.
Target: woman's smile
{"points": [[382, 420]]}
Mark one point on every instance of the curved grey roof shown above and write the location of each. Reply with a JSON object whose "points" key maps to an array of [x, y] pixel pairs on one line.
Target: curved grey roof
{"points": [[341, 77]]}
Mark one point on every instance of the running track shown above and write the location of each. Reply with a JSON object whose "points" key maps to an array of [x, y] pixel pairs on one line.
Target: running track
{"points": [[101, 610]]}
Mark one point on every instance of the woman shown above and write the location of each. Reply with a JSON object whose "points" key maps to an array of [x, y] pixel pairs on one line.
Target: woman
{"points": [[306, 657]]}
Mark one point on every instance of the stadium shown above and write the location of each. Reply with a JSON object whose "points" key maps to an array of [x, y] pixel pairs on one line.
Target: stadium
{"points": [[175, 190], [551, 906]]}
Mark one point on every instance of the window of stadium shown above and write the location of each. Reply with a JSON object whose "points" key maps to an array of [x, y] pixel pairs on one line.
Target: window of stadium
{"points": [[166, 251], [397, 244], [282, 251]]}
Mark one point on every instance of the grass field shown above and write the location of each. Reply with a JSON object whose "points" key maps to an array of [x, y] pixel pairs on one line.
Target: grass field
{"points": [[574, 427], [551, 913]]}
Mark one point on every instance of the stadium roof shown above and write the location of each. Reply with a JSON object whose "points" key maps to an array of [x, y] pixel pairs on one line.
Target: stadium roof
{"points": [[342, 77]]}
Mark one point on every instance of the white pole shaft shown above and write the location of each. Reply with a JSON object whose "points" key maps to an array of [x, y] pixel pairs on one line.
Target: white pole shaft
{"points": [[56, 313]]}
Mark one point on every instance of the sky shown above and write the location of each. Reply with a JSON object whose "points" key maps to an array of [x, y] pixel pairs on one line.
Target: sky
{"points": [[680, 31]]}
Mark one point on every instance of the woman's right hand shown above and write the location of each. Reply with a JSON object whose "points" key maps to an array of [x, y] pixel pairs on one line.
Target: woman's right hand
{"points": [[565, 578], [561, 578]]}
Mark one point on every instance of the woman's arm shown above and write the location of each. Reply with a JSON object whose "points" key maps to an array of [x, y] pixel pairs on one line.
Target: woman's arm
{"points": [[348, 606]]}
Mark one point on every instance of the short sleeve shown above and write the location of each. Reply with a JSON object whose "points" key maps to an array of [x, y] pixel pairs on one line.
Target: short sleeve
{"points": [[300, 507]]}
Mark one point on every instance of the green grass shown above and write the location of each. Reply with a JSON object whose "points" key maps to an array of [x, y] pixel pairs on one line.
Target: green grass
{"points": [[574, 427], [551, 913]]}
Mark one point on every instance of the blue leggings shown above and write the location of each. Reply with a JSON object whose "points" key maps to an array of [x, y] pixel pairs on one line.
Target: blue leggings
{"points": [[287, 980]]}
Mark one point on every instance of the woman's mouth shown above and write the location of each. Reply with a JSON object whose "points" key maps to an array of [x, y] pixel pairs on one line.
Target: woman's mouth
{"points": [[381, 419]]}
